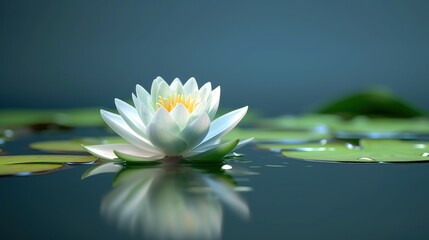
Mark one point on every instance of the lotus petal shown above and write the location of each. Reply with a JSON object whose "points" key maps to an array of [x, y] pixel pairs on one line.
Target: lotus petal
{"points": [[122, 129], [223, 125]]}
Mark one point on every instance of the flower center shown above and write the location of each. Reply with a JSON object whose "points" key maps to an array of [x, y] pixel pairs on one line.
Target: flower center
{"points": [[169, 103]]}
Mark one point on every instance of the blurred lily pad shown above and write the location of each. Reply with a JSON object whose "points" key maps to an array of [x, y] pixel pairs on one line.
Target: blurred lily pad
{"points": [[27, 164], [26, 169], [363, 127], [377, 102], [85, 117], [73, 145], [369, 150], [18, 159], [309, 122], [264, 135], [24, 117], [278, 147]]}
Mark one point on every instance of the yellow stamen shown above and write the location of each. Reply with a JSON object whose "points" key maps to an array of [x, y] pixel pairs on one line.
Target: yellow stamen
{"points": [[169, 103]]}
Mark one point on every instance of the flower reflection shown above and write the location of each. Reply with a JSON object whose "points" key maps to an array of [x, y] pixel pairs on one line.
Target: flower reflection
{"points": [[169, 202]]}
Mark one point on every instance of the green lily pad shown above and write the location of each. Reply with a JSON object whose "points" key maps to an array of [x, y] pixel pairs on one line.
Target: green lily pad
{"points": [[85, 117], [25, 169], [262, 135], [363, 127], [73, 145], [20, 159], [277, 147], [370, 150], [22, 165], [312, 122], [24, 117], [378, 102]]}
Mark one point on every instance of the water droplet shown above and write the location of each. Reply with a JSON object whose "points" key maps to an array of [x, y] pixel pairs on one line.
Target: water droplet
{"points": [[8, 133], [425, 154], [349, 146], [366, 159], [226, 167]]}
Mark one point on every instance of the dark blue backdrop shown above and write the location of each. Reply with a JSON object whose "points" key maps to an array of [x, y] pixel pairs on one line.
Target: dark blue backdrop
{"points": [[279, 56]]}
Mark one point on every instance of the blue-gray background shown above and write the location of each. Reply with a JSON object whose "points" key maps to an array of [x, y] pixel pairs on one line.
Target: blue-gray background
{"points": [[278, 56]]}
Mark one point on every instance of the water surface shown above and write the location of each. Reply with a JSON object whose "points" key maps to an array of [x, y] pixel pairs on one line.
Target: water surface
{"points": [[285, 199]]}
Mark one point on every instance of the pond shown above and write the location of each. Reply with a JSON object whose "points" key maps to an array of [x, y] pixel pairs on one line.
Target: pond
{"points": [[277, 197], [288, 184]]}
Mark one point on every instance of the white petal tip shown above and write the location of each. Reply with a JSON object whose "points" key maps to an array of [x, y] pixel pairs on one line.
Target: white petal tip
{"points": [[98, 154]]}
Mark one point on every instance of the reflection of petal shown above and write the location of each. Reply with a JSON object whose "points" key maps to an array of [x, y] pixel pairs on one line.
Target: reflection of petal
{"points": [[110, 167], [229, 196], [159, 202]]}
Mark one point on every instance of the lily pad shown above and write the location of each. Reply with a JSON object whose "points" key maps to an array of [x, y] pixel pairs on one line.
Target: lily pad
{"points": [[24, 117], [18, 159], [26, 169], [378, 102], [85, 117], [26, 164], [363, 127], [310, 122], [278, 147], [263, 135], [370, 150], [73, 145]]}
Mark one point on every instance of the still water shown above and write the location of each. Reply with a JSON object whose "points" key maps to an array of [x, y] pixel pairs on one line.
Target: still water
{"points": [[262, 195]]}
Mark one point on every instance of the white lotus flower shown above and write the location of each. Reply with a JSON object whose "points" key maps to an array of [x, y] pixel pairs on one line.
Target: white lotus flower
{"points": [[175, 120]]}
